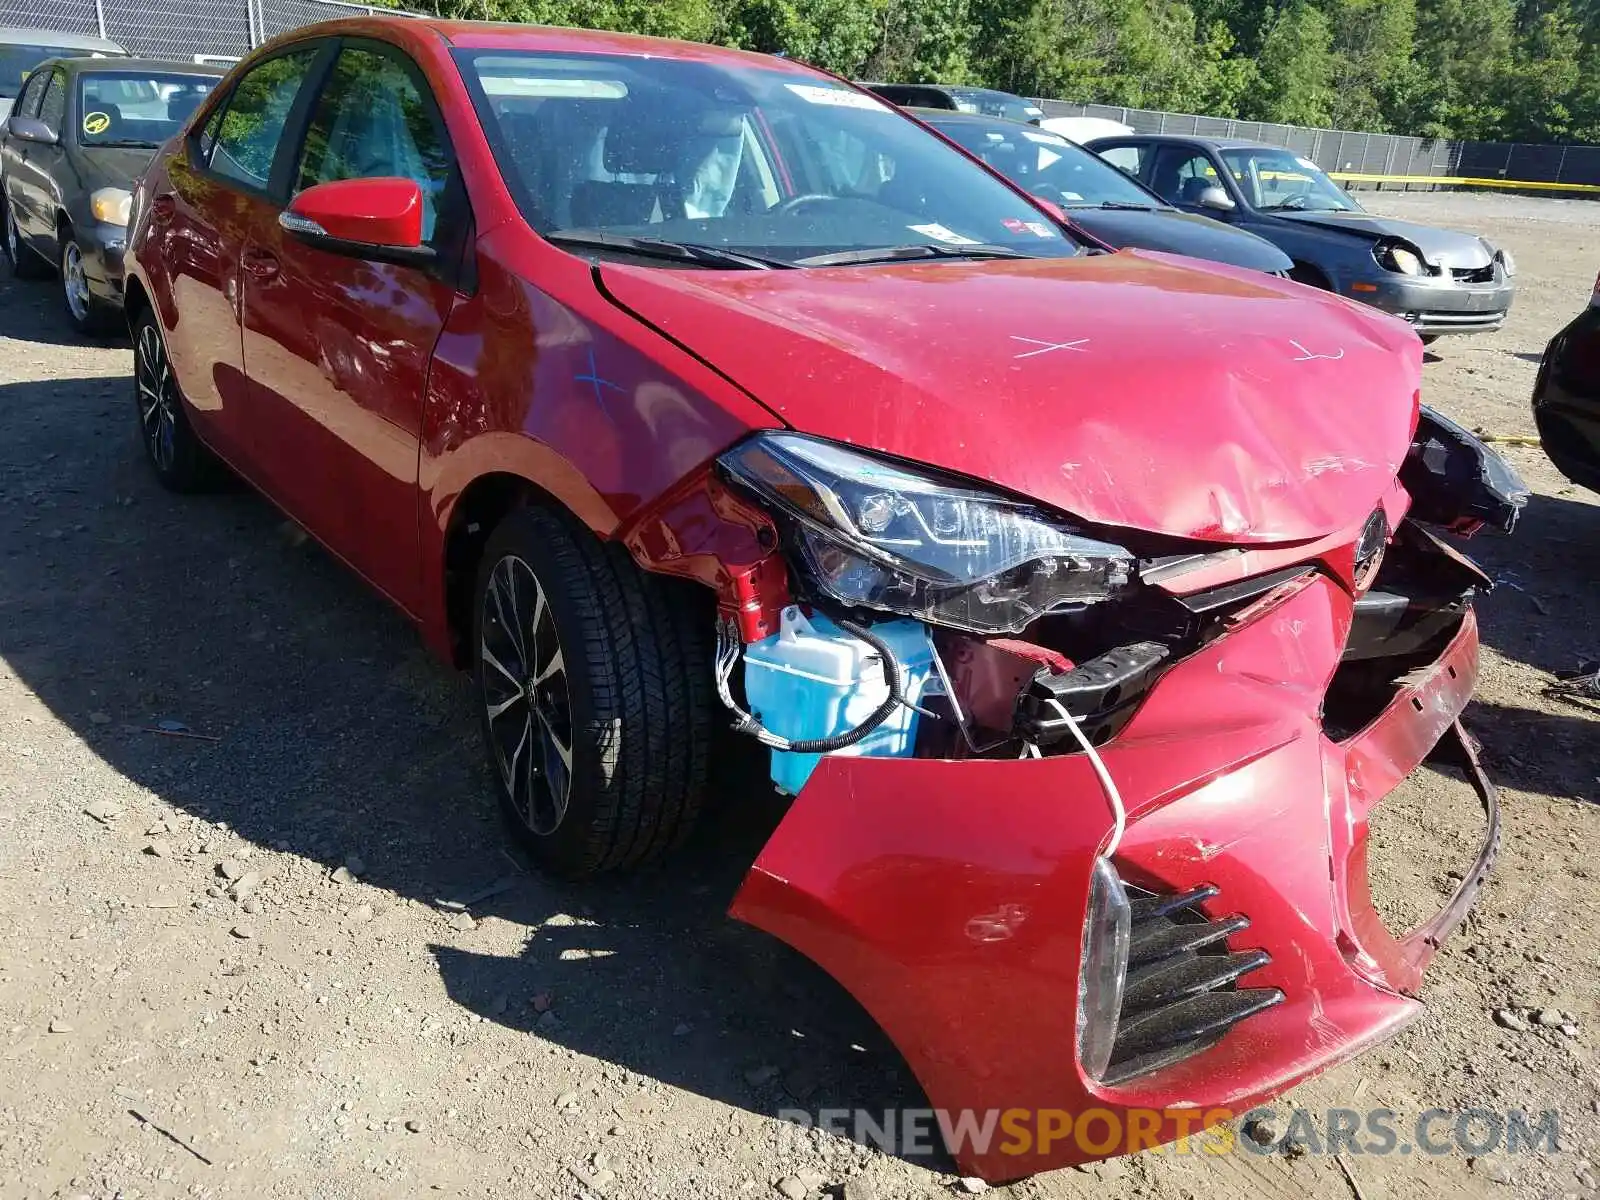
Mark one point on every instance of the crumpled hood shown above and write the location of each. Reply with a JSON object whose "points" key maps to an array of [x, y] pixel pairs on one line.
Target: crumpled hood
{"points": [[1440, 247], [1127, 389]]}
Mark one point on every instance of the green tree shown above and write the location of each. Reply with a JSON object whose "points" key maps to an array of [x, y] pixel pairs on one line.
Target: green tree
{"points": [[1296, 67], [837, 35], [1538, 88], [924, 41], [1372, 48]]}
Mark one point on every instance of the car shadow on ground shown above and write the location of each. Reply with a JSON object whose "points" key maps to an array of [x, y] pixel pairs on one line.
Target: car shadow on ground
{"points": [[336, 733], [36, 313]]}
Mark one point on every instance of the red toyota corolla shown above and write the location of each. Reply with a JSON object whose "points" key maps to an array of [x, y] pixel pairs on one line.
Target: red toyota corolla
{"points": [[1083, 603]]}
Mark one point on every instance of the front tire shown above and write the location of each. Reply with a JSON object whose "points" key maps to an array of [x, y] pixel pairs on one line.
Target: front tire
{"points": [[594, 684], [24, 263], [180, 460], [88, 315]]}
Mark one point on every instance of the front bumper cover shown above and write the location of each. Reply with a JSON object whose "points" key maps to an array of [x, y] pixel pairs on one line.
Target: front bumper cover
{"points": [[103, 249], [949, 896], [1433, 305]]}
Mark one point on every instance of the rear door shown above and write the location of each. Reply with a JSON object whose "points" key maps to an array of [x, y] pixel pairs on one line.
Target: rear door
{"points": [[216, 190], [337, 345]]}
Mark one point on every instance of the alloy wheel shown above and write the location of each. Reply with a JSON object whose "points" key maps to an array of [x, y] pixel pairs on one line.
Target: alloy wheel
{"points": [[158, 414], [526, 696], [13, 237], [75, 281]]}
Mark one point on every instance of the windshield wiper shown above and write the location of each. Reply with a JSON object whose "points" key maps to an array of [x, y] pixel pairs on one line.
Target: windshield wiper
{"points": [[650, 247], [884, 254], [1124, 206], [120, 145]]}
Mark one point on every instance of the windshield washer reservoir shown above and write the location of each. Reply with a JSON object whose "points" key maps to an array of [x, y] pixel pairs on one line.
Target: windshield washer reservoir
{"points": [[813, 680]]}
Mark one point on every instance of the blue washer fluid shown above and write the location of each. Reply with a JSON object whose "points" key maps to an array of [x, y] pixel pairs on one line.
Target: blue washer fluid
{"points": [[811, 679]]}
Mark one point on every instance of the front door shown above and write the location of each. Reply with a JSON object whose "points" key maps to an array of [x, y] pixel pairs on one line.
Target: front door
{"points": [[31, 176], [337, 346], [1182, 173]]}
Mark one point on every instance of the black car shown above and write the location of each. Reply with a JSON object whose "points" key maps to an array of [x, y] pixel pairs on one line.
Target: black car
{"points": [[1437, 280], [1098, 197], [985, 102], [1566, 398], [81, 132]]}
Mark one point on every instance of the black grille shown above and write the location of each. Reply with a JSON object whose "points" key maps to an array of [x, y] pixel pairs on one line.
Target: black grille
{"points": [[1182, 994], [1473, 274]]}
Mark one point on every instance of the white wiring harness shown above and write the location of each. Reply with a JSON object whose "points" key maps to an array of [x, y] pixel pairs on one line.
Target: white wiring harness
{"points": [[1107, 784]]}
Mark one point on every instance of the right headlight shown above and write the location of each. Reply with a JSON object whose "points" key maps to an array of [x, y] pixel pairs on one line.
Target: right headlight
{"points": [[870, 532]]}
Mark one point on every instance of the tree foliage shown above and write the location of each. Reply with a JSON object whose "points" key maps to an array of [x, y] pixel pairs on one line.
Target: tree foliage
{"points": [[1494, 69]]}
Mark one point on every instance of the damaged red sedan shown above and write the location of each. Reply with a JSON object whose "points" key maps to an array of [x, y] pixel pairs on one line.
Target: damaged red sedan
{"points": [[1085, 604]]}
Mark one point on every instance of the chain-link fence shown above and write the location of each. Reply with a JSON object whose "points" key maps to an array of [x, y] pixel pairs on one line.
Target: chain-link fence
{"points": [[1385, 155], [180, 29]]}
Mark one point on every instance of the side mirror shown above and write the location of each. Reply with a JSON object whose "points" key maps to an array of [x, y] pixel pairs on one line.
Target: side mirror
{"points": [[32, 129], [1215, 197], [379, 219]]}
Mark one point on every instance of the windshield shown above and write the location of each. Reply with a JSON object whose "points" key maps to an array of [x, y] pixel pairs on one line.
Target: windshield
{"points": [[780, 166], [1047, 165], [128, 108], [996, 104], [1280, 179], [17, 59]]}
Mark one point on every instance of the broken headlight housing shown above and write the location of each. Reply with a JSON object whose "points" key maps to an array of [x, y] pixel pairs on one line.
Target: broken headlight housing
{"points": [[870, 532], [1398, 256]]}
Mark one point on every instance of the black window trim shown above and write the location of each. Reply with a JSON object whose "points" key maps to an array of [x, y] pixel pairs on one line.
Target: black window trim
{"points": [[19, 106], [275, 192], [58, 74]]}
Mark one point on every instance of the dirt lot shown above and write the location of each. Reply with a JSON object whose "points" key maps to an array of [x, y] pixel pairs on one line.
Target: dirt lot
{"points": [[337, 1032]]}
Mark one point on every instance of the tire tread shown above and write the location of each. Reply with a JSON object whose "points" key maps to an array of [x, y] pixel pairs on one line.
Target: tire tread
{"points": [[646, 653]]}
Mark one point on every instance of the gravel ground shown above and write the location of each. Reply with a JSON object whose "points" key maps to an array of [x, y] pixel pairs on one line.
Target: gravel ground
{"points": [[292, 956]]}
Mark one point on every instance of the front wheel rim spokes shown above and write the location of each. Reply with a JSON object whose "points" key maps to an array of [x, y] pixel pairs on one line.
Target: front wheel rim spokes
{"points": [[157, 415], [75, 282], [525, 695]]}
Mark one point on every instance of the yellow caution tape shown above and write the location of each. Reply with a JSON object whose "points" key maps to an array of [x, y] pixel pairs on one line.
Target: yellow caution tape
{"points": [[1464, 181]]}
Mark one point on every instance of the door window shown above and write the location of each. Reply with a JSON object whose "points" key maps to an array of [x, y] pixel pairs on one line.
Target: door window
{"points": [[254, 117], [1181, 175], [373, 120], [1130, 160], [28, 102], [53, 108]]}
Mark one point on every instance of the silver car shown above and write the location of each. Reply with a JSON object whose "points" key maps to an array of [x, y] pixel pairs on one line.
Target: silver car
{"points": [[1438, 280], [21, 50]]}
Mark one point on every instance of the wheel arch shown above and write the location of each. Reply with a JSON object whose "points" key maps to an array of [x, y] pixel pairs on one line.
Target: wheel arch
{"points": [[1307, 272], [135, 300]]}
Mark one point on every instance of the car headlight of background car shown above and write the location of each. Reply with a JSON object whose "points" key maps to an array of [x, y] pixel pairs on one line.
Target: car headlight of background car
{"points": [[111, 205], [1397, 256], [870, 532]]}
